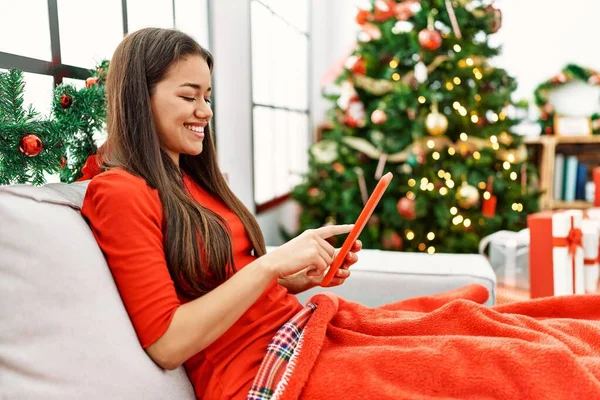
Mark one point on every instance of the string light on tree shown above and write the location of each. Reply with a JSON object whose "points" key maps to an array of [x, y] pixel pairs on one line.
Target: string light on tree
{"points": [[457, 220]]}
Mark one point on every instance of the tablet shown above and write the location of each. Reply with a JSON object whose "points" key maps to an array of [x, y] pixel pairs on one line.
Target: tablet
{"points": [[359, 225]]}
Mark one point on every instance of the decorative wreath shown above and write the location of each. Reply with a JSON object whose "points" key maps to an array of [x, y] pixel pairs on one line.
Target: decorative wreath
{"points": [[542, 95]]}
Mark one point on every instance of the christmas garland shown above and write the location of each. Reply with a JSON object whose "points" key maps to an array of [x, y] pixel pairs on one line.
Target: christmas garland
{"points": [[570, 73], [32, 146]]}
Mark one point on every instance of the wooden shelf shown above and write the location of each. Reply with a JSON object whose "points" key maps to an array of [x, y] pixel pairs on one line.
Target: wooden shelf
{"points": [[547, 155], [577, 204], [543, 139]]}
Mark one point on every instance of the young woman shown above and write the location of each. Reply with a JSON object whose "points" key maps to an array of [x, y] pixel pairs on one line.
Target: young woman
{"points": [[187, 257], [189, 262]]}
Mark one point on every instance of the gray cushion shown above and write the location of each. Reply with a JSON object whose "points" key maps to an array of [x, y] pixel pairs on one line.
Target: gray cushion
{"points": [[64, 333]]}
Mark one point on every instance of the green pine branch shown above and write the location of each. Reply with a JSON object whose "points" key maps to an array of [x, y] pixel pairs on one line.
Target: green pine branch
{"points": [[12, 90]]}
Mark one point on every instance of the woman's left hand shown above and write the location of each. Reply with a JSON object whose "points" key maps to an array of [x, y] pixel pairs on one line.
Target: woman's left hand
{"points": [[309, 277]]}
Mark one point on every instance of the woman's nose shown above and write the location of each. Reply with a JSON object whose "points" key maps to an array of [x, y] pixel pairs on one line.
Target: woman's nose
{"points": [[203, 111]]}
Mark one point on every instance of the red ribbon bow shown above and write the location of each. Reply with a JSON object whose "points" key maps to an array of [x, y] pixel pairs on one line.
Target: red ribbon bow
{"points": [[572, 241]]}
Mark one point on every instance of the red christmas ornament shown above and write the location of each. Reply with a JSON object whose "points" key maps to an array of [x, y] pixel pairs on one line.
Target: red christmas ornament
{"points": [[549, 130], [66, 101], [373, 221], [496, 15], [314, 192], [362, 17], [359, 67], [392, 240], [63, 162], [430, 39], [31, 145], [384, 10], [406, 9], [339, 168], [91, 81], [406, 208], [488, 209]]}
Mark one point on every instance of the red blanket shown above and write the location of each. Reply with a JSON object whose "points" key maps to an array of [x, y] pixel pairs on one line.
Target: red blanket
{"points": [[450, 346]]}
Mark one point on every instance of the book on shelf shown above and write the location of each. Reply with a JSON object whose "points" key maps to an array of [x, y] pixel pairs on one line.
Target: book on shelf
{"points": [[582, 173], [559, 173], [570, 179]]}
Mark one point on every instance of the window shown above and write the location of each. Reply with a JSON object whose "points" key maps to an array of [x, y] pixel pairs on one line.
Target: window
{"points": [[64, 39], [280, 87]]}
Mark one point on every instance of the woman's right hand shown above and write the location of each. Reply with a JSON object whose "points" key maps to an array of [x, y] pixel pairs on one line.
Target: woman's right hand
{"points": [[308, 249]]}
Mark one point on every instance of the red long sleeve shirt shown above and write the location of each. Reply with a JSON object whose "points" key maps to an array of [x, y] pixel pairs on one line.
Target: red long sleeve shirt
{"points": [[126, 217]]}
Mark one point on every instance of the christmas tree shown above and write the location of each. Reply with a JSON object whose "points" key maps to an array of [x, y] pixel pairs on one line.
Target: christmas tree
{"points": [[418, 97], [32, 146]]}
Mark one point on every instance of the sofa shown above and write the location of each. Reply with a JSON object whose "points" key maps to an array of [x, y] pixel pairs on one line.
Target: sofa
{"points": [[64, 333]]}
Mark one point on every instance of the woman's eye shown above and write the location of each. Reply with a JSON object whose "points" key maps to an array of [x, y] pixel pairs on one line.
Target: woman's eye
{"points": [[188, 98], [208, 101]]}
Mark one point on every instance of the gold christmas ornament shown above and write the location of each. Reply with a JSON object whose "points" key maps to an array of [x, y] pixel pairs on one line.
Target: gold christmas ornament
{"points": [[467, 196], [435, 122]]}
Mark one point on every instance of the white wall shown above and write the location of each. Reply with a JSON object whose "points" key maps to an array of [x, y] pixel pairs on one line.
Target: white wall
{"points": [[540, 37], [230, 37], [334, 33]]}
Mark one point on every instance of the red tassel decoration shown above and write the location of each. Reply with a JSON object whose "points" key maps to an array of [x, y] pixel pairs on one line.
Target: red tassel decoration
{"points": [[489, 201]]}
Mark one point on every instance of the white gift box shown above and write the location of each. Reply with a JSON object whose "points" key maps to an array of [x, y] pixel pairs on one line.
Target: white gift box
{"points": [[590, 240], [509, 256]]}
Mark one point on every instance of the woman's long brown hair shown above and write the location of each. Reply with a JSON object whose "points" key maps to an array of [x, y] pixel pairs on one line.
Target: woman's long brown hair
{"points": [[197, 241]]}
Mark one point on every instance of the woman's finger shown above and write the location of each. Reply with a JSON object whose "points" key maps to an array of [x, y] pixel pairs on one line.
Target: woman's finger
{"points": [[327, 246], [324, 254]]}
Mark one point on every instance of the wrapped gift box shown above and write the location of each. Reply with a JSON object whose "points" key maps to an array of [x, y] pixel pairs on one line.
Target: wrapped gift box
{"points": [[556, 258], [590, 230], [509, 257]]}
